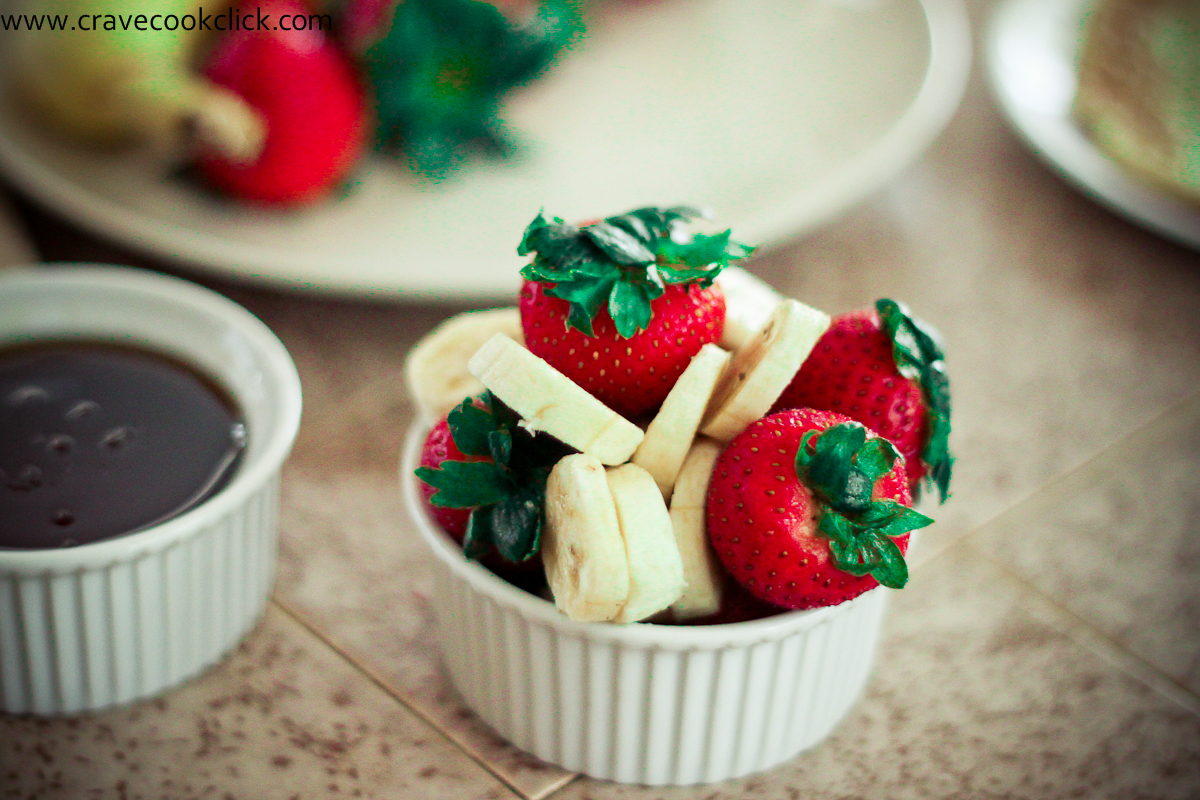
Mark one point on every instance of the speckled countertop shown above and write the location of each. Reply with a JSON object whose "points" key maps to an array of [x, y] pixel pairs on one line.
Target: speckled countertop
{"points": [[1048, 645]]}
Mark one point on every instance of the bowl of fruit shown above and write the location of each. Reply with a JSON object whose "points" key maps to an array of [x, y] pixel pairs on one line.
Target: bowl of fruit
{"points": [[666, 505]]}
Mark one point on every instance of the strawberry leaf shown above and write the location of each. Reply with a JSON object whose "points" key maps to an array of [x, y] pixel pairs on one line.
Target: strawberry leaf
{"points": [[469, 427], [500, 446], [507, 492], [916, 348], [867, 548], [464, 484], [516, 522], [477, 542], [830, 469], [876, 458], [841, 465], [629, 305], [623, 263], [587, 295], [892, 519], [619, 244], [703, 256]]}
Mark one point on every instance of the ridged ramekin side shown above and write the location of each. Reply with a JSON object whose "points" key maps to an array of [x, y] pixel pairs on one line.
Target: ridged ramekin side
{"points": [[637, 713], [97, 637]]}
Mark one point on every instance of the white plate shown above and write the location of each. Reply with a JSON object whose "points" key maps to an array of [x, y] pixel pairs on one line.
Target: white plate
{"points": [[778, 114], [1031, 56]]}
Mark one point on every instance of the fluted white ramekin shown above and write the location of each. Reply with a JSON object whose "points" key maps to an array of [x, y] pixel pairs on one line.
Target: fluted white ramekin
{"points": [[117, 620], [649, 704]]}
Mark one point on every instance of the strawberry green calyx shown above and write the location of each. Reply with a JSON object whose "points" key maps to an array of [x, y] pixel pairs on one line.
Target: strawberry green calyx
{"points": [[916, 347], [443, 67], [840, 465], [506, 493], [624, 263]]}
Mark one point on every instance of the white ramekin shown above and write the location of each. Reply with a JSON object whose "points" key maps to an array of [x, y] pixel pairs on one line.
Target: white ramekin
{"points": [[91, 626], [649, 704]]}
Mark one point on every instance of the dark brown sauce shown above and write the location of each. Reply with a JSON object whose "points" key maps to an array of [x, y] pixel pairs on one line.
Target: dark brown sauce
{"points": [[99, 440]]}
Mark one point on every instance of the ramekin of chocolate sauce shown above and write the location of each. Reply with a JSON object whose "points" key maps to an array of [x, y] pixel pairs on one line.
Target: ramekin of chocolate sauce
{"points": [[143, 424]]}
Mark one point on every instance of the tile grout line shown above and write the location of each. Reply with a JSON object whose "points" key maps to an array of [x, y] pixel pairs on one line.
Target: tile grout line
{"points": [[1087, 635], [1062, 476], [304, 620], [557, 787]]}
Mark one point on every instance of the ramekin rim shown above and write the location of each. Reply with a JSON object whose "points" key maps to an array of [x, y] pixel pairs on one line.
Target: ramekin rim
{"points": [[252, 475]]}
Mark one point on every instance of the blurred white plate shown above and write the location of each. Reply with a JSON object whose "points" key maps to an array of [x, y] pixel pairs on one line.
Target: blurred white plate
{"points": [[1031, 54], [778, 114]]}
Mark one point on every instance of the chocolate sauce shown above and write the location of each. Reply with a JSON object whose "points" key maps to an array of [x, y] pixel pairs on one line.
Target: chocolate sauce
{"points": [[100, 440]]}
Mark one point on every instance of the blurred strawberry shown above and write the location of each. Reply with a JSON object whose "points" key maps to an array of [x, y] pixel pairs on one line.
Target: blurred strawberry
{"points": [[310, 98]]}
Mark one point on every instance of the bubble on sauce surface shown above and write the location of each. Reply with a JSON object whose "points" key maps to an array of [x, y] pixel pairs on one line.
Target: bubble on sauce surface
{"points": [[27, 395], [117, 439], [28, 477], [63, 518], [60, 444], [237, 434], [82, 410]]}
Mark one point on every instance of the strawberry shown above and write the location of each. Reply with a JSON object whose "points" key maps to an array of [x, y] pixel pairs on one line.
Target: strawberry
{"points": [[439, 448], [631, 376], [622, 305], [485, 480], [808, 508], [884, 368], [312, 103]]}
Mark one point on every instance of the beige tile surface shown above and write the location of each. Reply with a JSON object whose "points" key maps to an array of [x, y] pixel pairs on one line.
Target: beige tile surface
{"points": [[978, 694], [1117, 542], [353, 564], [285, 718], [350, 560]]}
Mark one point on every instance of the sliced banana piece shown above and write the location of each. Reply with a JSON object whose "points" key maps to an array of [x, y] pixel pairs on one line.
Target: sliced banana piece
{"points": [[749, 303], [762, 369], [671, 431], [655, 568], [436, 369], [702, 570], [549, 401], [582, 546]]}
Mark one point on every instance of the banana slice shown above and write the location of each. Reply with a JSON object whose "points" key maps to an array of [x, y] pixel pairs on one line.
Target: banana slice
{"points": [[702, 570], [582, 547], [549, 401], [655, 568], [436, 370], [671, 432], [762, 369], [749, 303]]}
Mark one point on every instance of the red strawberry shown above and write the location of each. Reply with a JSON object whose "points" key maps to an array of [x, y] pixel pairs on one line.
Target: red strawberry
{"points": [[439, 448], [622, 305], [484, 481], [631, 376], [810, 526], [881, 367], [311, 100]]}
